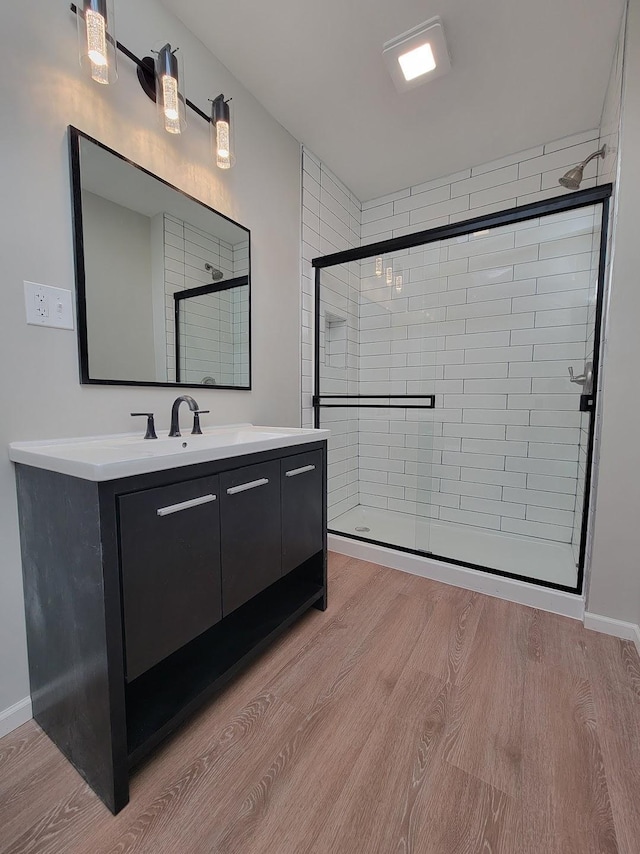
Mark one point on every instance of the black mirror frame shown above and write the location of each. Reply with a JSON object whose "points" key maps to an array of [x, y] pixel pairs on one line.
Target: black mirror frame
{"points": [[75, 136]]}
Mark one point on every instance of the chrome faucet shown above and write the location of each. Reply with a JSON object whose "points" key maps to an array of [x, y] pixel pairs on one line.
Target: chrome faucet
{"points": [[175, 412]]}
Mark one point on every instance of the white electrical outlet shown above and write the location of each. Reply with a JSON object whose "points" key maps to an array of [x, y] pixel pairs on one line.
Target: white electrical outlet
{"points": [[47, 306]]}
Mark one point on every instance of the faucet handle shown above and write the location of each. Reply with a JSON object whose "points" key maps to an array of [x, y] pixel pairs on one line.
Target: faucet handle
{"points": [[197, 431], [151, 427]]}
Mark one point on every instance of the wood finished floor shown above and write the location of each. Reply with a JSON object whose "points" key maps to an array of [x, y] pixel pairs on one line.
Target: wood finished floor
{"points": [[410, 717]]}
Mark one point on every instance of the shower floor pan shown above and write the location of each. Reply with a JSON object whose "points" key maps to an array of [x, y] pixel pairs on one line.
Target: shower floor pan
{"points": [[529, 557]]}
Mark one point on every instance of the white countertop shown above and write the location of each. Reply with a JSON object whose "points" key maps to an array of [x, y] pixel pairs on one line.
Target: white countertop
{"points": [[101, 458]]}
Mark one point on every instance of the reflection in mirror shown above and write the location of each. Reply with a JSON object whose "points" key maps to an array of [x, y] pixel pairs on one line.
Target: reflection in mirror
{"points": [[148, 258], [212, 333]]}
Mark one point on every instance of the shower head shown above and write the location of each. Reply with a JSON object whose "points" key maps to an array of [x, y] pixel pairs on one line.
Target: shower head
{"points": [[216, 275], [572, 179]]}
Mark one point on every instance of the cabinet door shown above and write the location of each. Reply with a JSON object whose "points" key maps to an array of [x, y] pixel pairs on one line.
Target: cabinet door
{"points": [[302, 504], [251, 540], [170, 556]]}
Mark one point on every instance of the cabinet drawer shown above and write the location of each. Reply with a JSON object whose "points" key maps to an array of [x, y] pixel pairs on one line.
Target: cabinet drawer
{"points": [[302, 508], [170, 559], [251, 540]]}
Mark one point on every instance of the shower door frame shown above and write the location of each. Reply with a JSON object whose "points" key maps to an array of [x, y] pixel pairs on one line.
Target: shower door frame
{"points": [[558, 204], [203, 290]]}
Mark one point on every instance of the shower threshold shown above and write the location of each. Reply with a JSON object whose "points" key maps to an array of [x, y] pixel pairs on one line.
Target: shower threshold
{"points": [[530, 558]]}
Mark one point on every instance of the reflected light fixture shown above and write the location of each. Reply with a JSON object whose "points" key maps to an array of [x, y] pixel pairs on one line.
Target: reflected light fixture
{"points": [[399, 284], [169, 96], [221, 139], [389, 275], [418, 55], [96, 39], [378, 267]]}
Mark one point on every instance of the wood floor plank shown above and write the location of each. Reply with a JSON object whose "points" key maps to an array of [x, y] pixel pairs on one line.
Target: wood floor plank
{"points": [[376, 809], [447, 639], [565, 804], [409, 718], [17, 748], [312, 767], [347, 637], [460, 814], [614, 669], [486, 731], [207, 784]]}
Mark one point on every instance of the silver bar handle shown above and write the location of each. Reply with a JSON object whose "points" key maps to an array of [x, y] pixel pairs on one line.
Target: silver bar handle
{"points": [[294, 472], [185, 505], [244, 486]]}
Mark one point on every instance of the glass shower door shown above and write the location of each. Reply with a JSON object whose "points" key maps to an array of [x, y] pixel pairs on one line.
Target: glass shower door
{"points": [[376, 395], [457, 377], [516, 361]]}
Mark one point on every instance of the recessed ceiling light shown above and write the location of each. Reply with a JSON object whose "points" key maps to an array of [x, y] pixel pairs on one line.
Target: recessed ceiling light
{"points": [[416, 62], [418, 55]]}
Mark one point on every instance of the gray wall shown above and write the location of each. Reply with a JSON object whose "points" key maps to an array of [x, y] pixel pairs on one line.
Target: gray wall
{"points": [[40, 395], [117, 254], [615, 571]]}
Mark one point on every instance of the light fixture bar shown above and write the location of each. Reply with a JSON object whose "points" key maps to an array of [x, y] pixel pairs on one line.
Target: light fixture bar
{"points": [[146, 71]]}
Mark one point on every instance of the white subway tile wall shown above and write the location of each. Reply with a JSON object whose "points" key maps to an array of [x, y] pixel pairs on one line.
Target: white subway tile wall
{"points": [[490, 324], [214, 328], [330, 223]]}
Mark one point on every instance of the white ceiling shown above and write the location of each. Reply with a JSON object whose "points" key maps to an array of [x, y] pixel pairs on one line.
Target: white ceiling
{"points": [[523, 72]]}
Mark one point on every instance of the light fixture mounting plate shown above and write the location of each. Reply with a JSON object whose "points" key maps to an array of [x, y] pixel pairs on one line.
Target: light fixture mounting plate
{"points": [[147, 76], [431, 32]]}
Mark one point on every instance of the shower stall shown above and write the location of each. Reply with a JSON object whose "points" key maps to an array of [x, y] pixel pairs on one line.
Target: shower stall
{"points": [[457, 370]]}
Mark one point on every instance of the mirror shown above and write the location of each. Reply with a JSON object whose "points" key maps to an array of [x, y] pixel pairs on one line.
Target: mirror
{"points": [[163, 281]]}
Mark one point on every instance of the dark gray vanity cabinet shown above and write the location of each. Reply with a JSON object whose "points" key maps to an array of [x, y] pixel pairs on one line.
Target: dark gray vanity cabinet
{"points": [[170, 564], [302, 508], [145, 595], [251, 520]]}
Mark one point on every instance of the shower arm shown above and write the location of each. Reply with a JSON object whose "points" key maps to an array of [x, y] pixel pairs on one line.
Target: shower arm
{"points": [[599, 153]]}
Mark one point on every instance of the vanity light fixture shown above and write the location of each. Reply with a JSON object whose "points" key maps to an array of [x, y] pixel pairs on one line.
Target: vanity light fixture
{"points": [[162, 78], [169, 95], [221, 138], [96, 40], [418, 55]]}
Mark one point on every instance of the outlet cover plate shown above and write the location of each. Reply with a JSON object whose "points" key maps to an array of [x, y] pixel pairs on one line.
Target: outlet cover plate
{"points": [[48, 306]]}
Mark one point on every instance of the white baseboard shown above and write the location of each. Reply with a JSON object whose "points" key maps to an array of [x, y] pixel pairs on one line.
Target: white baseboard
{"points": [[15, 716], [617, 628], [544, 598]]}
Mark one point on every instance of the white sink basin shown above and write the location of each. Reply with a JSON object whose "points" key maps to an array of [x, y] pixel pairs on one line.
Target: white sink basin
{"points": [[101, 458]]}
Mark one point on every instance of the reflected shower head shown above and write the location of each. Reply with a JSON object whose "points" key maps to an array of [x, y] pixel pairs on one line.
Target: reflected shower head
{"points": [[216, 275], [572, 179]]}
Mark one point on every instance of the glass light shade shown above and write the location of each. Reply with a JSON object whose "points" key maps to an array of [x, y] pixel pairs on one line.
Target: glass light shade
{"points": [[97, 40], [170, 98], [221, 133]]}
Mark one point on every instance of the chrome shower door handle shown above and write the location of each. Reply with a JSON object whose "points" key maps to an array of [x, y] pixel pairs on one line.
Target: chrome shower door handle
{"points": [[585, 379]]}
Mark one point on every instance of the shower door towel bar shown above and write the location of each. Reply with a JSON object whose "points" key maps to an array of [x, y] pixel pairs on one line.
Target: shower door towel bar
{"points": [[429, 401]]}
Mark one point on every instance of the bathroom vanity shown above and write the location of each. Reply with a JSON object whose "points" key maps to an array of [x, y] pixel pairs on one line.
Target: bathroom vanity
{"points": [[154, 571]]}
